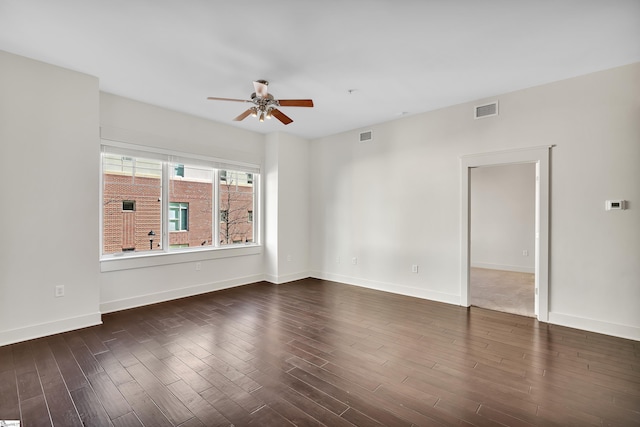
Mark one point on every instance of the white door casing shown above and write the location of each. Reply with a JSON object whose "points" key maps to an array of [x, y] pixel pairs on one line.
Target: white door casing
{"points": [[539, 156]]}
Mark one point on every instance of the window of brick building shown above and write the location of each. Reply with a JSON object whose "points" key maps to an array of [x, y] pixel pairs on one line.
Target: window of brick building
{"points": [[178, 217], [128, 205]]}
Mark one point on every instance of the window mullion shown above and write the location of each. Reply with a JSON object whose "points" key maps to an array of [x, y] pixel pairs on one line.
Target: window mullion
{"points": [[166, 179], [215, 221], [256, 209]]}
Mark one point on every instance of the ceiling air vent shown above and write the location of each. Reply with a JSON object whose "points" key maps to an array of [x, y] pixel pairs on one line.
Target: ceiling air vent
{"points": [[487, 110], [366, 136]]}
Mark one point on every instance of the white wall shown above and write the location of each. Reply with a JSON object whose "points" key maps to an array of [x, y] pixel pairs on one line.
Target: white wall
{"points": [[48, 181], [270, 178], [143, 124], [287, 213], [395, 201], [503, 217]]}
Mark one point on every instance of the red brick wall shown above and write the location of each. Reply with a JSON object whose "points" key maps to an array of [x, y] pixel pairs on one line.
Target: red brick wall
{"points": [[198, 195], [128, 230], [120, 226]]}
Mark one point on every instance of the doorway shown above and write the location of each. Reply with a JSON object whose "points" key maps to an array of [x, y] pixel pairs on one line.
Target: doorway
{"points": [[502, 238], [539, 156]]}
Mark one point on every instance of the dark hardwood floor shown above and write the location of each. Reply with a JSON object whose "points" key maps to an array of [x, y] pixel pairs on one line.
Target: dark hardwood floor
{"points": [[315, 353]]}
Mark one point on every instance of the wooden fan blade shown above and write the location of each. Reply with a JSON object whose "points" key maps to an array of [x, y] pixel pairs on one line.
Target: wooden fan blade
{"points": [[228, 99], [243, 115], [260, 88], [295, 102], [281, 116]]}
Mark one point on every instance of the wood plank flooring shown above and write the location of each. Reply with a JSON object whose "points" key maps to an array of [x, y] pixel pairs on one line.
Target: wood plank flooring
{"points": [[313, 353]]}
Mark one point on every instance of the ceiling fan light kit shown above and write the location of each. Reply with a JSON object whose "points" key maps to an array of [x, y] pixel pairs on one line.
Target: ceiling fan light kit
{"points": [[265, 105]]}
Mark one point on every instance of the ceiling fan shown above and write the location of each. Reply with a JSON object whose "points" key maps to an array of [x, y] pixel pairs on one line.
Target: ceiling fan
{"points": [[265, 105]]}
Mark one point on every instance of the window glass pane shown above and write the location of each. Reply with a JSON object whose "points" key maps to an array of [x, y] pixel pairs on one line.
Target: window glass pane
{"points": [[184, 217], [191, 205], [139, 188], [236, 201], [136, 181]]}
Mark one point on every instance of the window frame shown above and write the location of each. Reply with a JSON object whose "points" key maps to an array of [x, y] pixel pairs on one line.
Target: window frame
{"points": [[137, 259]]}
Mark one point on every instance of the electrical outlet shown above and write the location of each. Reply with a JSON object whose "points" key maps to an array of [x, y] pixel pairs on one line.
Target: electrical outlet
{"points": [[198, 266], [354, 260], [525, 253], [289, 258], [59, 291], [414, 268]]}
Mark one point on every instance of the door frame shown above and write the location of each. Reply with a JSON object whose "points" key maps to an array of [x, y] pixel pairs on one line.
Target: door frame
{"points": [[540, 156]]}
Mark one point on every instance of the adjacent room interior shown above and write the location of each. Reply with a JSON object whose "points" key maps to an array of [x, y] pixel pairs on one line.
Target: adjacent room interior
{"points": [[502, 226]]}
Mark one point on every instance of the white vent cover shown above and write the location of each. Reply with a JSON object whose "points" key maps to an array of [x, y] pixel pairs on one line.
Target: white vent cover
{"points": [[486, 110], [366, 136]]}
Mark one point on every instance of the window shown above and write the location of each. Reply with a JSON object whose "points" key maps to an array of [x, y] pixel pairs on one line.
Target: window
{"points": [[126, 179], [191, 204], [236, 201], [162, 202], [128, 205], [178, 217]]}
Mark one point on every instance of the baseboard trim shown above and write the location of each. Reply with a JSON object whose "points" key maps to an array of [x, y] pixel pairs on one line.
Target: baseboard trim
{"points": [[279, 280], [141, 300], [516, 268], [389, 287], [597, 326], [49, 328]]}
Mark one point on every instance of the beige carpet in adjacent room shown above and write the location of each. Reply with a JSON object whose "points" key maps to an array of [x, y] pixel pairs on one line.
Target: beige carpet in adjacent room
{"points": [[507, 291]]}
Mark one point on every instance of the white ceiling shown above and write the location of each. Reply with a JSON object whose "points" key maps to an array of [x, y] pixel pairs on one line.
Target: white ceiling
{"points": [[397, 56]]}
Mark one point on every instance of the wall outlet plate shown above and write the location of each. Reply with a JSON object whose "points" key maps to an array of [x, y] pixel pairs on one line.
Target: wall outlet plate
{"points": [[613, 205]]}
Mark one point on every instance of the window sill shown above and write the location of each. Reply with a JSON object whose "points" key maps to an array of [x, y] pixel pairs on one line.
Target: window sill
{"points": [[143, 260]]}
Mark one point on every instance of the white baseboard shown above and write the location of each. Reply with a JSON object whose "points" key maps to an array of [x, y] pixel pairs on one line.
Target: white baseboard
{"points": [[50, 328], [389, 287], [516, 268], [279, 280], [141, 300], [591, 325]]}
